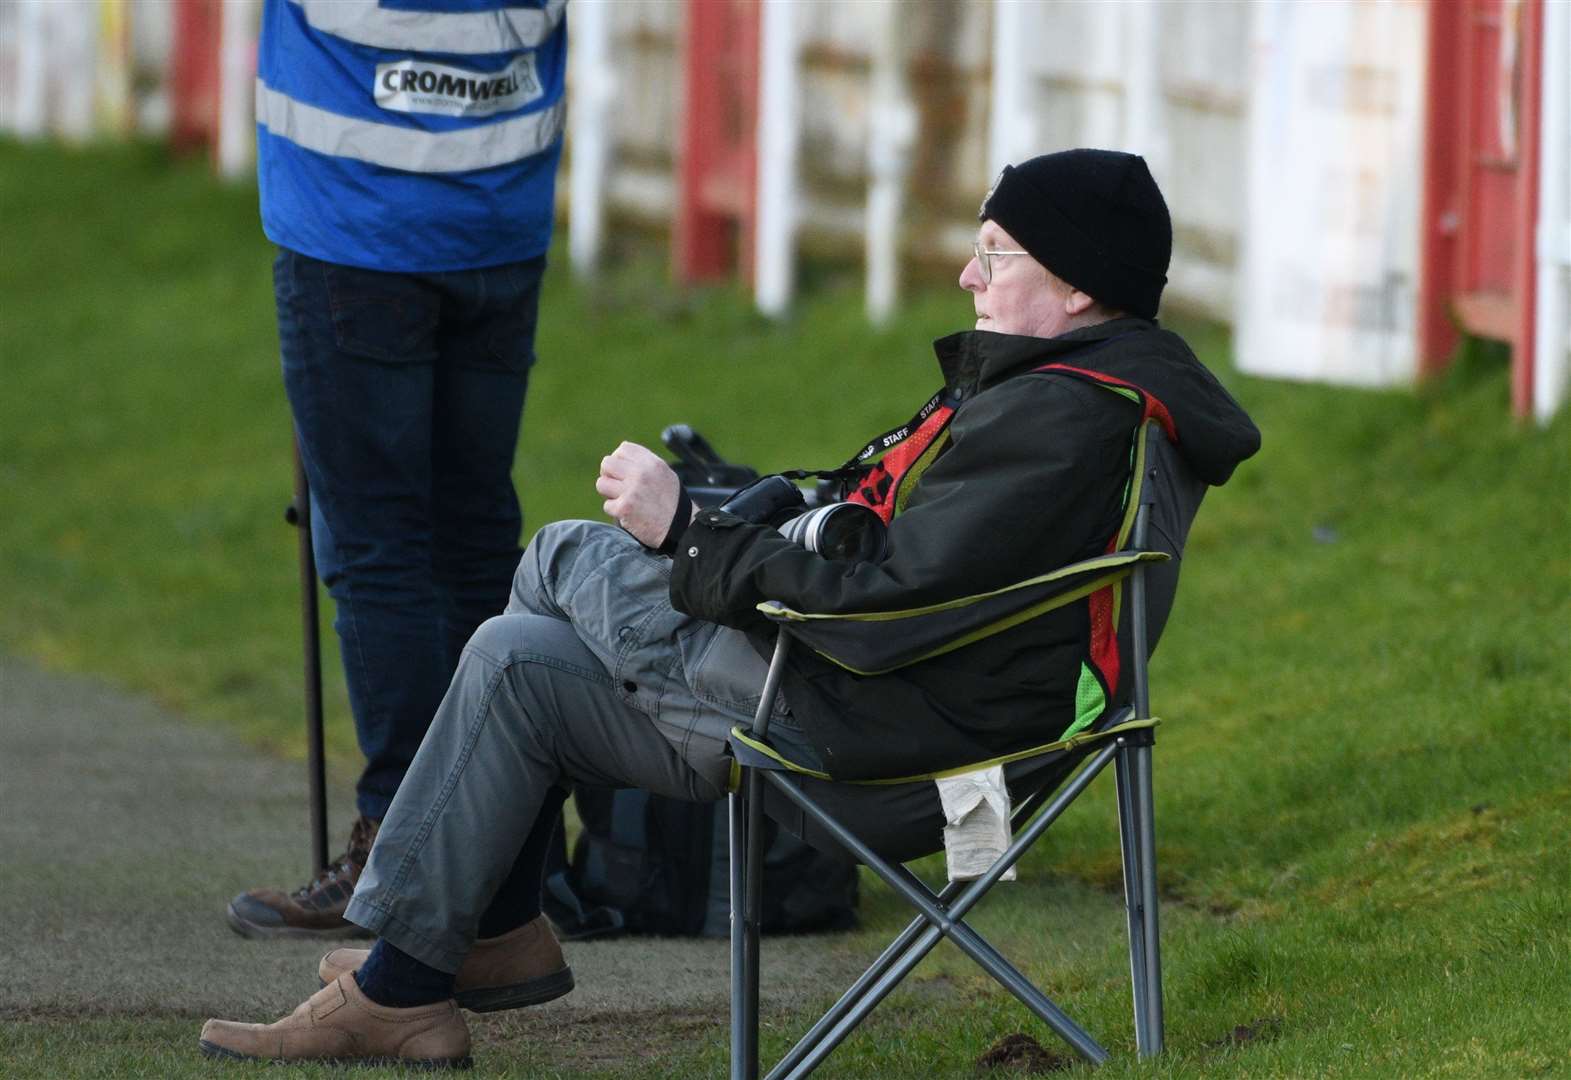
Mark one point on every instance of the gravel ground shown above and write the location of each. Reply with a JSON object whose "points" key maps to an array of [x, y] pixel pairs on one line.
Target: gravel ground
{"points": [[124, 831]]}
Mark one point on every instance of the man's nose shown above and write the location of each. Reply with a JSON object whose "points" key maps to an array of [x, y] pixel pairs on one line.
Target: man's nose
{"points": [[971, 276]]}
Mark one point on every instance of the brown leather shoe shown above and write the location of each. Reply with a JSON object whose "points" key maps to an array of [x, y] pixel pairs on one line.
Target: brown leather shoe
{"points": [[316, 909], [341, 1025], [521, 967]]}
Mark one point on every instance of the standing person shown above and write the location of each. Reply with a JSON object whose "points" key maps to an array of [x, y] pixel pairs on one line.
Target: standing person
{"points": [[406, 162], [625, 655]]}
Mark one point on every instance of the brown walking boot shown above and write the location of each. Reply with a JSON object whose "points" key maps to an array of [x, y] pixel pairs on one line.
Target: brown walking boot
{"points": [[316, 909], [521, 967], [339, 1024]]}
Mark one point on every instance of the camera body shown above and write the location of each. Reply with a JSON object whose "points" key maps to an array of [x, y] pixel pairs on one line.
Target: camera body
{"points": [[836, 530], [770, 500]]}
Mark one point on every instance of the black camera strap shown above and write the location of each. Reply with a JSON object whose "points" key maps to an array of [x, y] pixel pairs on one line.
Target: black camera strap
{"points": [[896, 435], [878, 485], [876, 445]]}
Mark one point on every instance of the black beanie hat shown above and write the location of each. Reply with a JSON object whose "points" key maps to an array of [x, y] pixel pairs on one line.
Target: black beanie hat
{"points": [[1095, 218]]}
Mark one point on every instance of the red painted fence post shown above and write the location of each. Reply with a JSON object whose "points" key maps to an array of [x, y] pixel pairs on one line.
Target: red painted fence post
{"points": [[1478, 232], [1441, 215], [193, 74], [717, 174]]}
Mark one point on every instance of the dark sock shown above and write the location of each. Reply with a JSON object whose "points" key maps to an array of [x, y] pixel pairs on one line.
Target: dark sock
{"points": [[518, 899], [393, 978]]}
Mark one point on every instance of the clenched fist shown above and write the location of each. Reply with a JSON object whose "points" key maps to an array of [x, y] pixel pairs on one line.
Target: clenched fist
{"points": [[640, 492]]}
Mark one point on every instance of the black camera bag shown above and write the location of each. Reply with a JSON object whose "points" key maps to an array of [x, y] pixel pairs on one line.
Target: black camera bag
{"points": [[648, 864]]}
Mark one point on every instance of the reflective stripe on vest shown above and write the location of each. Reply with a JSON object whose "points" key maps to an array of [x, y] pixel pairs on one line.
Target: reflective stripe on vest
{"points": [[366, 22], [480, 147]]}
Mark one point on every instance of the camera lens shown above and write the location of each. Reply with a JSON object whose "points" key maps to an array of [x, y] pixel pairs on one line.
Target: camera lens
{"points": [[838, 531], [844, 534]]}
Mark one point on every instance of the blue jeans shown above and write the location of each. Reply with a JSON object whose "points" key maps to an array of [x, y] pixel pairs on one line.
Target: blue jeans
{"points": [[407, 391]]}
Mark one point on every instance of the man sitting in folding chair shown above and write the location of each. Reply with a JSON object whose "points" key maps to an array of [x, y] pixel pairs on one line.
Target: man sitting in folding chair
{"points": [[627, 656]]}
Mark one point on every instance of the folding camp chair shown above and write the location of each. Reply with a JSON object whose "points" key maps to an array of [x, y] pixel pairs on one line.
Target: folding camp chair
{"points": [[1162, 502]]}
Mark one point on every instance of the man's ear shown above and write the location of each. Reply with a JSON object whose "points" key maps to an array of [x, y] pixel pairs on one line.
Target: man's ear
{"points": [[1077, 302]]}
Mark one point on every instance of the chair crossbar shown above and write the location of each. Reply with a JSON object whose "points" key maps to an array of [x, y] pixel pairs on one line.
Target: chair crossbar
{"points": [[855, 992], [940, 915]]}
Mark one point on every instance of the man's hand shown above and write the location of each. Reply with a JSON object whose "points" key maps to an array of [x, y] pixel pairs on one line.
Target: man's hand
{"points": [[640, 492]]}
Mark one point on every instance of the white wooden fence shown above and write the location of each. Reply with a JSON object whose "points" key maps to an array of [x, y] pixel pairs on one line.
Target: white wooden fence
{"points": [[881, 124]]}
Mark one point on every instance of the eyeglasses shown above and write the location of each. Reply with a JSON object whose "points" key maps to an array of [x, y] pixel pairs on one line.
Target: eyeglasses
{"points": [[984, 259]]}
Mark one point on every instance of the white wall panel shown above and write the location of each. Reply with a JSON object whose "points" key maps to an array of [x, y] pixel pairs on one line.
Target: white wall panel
{"points": [[1329, 263]]}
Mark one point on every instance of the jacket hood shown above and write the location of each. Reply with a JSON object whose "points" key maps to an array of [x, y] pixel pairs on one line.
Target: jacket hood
{"points": [[1214, 432]]}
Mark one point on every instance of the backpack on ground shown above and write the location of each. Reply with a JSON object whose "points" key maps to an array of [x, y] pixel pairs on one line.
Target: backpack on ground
{"points": [[648, 864]]}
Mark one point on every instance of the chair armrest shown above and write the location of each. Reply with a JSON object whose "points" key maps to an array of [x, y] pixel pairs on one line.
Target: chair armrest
{"points": [[877, 642]]}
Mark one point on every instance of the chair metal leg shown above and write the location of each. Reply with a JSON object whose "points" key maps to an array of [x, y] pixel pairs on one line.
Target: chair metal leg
{"points": [[752, 891], [1145, 827], [744, 1057], [1129, 842], [1137, 828], [1137, 835], [747, 872]]}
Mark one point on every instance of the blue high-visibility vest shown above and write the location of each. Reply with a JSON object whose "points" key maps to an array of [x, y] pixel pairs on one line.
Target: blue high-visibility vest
{"points": [[410, 135]]}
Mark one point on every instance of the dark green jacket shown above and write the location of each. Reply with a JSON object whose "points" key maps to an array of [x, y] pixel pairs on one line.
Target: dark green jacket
{"points": [[1033, 478]]}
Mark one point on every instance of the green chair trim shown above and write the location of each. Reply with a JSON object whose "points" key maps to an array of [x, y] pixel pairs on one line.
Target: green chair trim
{"points": [[1137, 479], [1071, 743], [1023, 615], [774, 609]]}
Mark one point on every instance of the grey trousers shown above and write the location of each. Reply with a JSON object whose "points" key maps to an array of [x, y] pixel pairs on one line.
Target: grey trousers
{"points": [[589, 676]]}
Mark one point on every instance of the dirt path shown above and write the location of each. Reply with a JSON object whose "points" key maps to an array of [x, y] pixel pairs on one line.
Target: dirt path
{"points": [[124, 831]]}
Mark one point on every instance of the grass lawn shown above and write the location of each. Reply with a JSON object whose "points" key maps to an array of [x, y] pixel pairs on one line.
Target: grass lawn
{"points": [[1363, 784]]}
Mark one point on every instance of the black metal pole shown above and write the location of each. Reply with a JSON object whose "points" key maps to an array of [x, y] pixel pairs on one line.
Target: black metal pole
{"points": [[299, 516]]}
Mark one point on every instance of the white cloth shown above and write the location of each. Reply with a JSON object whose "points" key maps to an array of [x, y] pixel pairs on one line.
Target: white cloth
{"points": [[976, 822]]}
